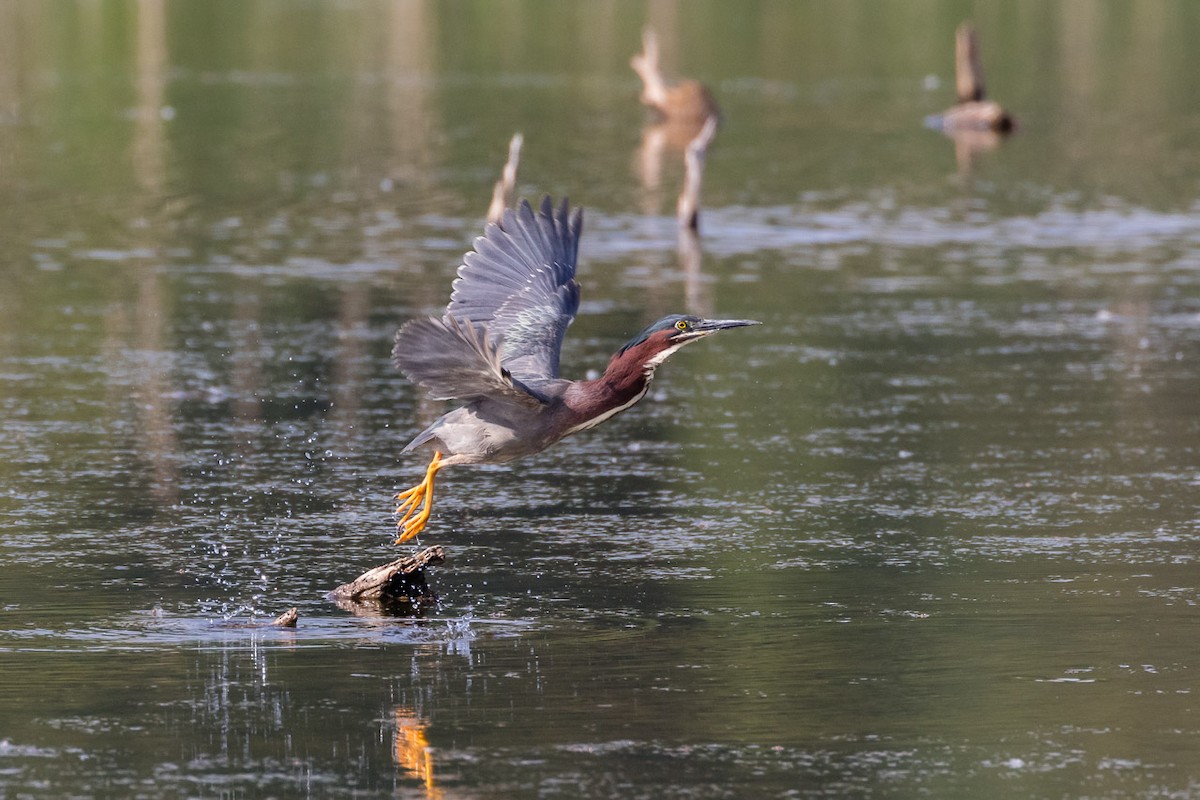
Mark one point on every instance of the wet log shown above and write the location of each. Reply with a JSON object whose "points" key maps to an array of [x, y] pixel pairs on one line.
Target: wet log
{"points": [[400, 583], [287, 619]]}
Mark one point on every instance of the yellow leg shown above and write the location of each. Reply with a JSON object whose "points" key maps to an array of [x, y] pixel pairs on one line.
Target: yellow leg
{"points": [[416, 503]]}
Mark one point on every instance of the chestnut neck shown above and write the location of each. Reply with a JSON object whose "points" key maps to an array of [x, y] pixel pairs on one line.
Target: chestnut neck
{"points": [[623, 383]]}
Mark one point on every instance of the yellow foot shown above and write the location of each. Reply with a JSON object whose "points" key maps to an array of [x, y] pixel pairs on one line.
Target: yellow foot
{"points": [[416, 504]]}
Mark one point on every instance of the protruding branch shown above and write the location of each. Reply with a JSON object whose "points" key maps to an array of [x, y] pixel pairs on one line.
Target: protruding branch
{"points": [[502, 193], [968, 71], [645, 64], [687, 102], [688, 207]]}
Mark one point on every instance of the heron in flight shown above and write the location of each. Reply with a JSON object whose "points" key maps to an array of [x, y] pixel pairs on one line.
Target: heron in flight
{"points": [[496, 348]]}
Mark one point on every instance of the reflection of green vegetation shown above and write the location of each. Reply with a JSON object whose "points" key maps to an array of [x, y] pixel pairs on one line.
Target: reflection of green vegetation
{"points": [[266, 93]]}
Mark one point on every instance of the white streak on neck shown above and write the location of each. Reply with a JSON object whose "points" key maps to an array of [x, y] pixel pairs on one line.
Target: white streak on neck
{"points": [[612, 412], [652, 364], [658, 358]]}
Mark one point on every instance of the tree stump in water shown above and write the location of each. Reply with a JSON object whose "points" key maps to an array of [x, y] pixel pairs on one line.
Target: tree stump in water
{"points": [[399, 586]]}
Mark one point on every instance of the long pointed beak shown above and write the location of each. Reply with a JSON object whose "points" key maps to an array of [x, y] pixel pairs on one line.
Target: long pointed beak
{"points": [[714, 325]]}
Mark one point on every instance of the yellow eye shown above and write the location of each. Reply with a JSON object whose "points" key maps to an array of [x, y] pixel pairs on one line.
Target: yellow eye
{"points": [[682, 325]]}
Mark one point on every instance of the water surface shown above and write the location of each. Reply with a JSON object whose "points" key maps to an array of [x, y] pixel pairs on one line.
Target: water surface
{"points": [[930, 530]]}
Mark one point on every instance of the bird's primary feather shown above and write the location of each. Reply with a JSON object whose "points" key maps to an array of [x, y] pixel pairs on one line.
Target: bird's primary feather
{"points": [[519, 285], [454, 360]]}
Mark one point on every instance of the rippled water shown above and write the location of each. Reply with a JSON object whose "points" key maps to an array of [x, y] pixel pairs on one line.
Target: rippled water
{"points": [[930, 530]]}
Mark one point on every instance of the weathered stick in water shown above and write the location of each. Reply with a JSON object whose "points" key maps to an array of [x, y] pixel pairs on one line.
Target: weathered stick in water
{"points": [[402, 579], [287, 619]]}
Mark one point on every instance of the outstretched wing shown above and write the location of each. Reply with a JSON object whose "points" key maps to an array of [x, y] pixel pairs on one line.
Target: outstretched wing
{"points": [[519, 283], [455, 360]]}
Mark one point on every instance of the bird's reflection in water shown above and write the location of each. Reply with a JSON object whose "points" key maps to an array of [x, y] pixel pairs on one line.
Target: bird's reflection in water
{"points": [[969, 145], [412, 751], [697, 289]]}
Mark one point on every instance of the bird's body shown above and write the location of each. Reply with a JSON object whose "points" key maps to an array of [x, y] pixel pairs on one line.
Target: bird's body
{"points": [[496, 347], [977, 115], [569, 408], [687, 102], [973, 112]]}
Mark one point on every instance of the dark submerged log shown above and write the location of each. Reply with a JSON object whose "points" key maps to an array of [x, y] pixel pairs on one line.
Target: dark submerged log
{"points": [[399, 585]]}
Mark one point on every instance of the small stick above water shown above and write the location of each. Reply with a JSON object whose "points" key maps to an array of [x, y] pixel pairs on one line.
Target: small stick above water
{"points": [[968, 70], [502, 192], [687, 211]]}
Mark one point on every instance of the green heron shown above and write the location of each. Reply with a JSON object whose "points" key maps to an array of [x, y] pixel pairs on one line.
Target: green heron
{"points": [[497, 346]]}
